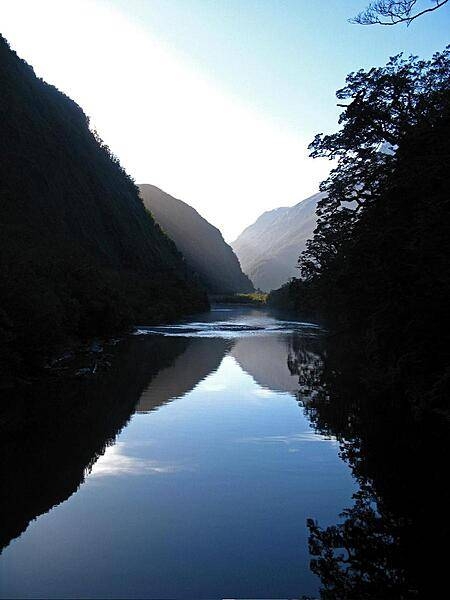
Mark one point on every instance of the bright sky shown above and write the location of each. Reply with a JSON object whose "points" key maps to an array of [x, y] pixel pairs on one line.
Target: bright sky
{"points": [[214, 101]]}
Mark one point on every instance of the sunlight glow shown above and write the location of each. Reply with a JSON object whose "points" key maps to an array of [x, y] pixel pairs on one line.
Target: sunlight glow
{"points": [[167, 123]]}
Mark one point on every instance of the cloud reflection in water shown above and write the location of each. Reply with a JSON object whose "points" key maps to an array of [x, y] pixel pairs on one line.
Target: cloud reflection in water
{"points": [[115, 462]]}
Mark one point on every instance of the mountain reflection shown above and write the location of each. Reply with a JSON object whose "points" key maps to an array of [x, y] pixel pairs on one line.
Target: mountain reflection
{"points": [[54, 432], [199, 359], [265, 361], [385, 545]]}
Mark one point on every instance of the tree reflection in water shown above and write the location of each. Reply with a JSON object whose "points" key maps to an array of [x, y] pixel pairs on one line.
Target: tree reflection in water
{"points": [[389, 543], [55, 430]]}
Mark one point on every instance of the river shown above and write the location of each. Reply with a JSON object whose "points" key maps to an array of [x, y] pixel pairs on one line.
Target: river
{"points": [[184, 467]]}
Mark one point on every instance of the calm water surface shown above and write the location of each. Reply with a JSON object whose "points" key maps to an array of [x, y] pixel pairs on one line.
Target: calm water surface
{"points": [[200, 490]]}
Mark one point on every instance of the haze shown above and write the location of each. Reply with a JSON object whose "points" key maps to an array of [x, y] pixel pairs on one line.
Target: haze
{"points": [[172, 119]]}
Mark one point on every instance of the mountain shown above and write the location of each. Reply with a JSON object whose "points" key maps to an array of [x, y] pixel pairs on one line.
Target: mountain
{"points": [[268, 250], [80, 255], [201, 243]]}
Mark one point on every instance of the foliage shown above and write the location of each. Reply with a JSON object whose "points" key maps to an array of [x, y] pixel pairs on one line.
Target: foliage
{"points": [[379, 260], [386, 104], [258, 298], [255, 297]]}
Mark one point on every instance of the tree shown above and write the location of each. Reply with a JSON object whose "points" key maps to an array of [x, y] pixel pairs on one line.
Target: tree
{"points": [[391, 12], [385, 104], [378, 264]]}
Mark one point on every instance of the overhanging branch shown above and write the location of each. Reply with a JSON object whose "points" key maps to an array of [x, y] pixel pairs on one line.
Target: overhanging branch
{"points": [[393, 11]]}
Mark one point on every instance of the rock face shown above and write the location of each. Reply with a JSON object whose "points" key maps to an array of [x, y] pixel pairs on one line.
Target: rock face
{"points": [[268, 250], [80, 256], [202, 244]]}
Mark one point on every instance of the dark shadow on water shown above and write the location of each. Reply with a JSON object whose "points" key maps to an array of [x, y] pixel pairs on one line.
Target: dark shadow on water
{"points": [[386, 545], [53, 432], [390, 543]]}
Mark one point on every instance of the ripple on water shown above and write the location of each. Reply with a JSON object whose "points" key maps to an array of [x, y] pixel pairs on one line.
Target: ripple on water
{"points": [[229, 329]]}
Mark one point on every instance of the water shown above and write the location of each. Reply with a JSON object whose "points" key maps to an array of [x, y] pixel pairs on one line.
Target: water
{"points": [[187, 469]]}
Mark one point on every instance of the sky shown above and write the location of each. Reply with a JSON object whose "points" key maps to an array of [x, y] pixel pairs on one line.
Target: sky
{"points": [[213, 101]]}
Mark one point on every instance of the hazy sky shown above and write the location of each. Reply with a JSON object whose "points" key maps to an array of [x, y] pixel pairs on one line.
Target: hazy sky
{"points": [[214, 101]]}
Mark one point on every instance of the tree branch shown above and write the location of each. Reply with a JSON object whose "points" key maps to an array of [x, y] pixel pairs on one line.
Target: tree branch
{"points": [[397, 11]]}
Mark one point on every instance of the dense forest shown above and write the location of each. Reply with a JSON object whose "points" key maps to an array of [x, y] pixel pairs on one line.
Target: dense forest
{"points": [[378, 265], [80, 255]]}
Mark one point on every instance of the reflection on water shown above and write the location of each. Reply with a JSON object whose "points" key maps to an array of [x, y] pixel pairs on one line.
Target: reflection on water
{"points": [[186, 470], [53, 433], [200, 358], [388, 542], [267, 362]]}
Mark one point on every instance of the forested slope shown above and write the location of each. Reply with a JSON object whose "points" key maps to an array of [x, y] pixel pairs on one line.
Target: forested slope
{"points": [[79, 254], [202, 244]]}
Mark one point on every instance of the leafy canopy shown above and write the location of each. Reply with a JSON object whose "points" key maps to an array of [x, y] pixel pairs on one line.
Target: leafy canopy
{"points": [[384, 105]]}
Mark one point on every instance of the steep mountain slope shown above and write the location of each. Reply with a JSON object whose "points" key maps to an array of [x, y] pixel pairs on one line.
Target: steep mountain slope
{"points": [[268, 250], [79, 254], [201, 243]]}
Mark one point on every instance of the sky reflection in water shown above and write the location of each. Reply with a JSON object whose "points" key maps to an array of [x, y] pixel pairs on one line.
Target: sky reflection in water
{"points": [[205, 492]]}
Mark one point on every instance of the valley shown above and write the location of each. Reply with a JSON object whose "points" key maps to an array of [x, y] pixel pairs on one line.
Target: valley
{"points": [[187, 416]]}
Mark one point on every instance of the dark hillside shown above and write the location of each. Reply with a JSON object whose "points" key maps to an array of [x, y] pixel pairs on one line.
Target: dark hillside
{"points": [[200, 242], [79, 254]]}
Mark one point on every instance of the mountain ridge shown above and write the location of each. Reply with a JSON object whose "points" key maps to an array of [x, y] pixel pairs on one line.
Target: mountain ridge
{"points": [[200, 242], [268, 249], [80, 256]]}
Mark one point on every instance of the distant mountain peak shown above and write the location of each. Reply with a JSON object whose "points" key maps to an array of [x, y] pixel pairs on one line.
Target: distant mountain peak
{"points": [[268, 249]]}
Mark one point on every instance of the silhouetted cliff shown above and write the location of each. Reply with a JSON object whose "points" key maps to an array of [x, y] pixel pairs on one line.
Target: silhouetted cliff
{"points": [[80, 256], [268, 250], [200, 242]]}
